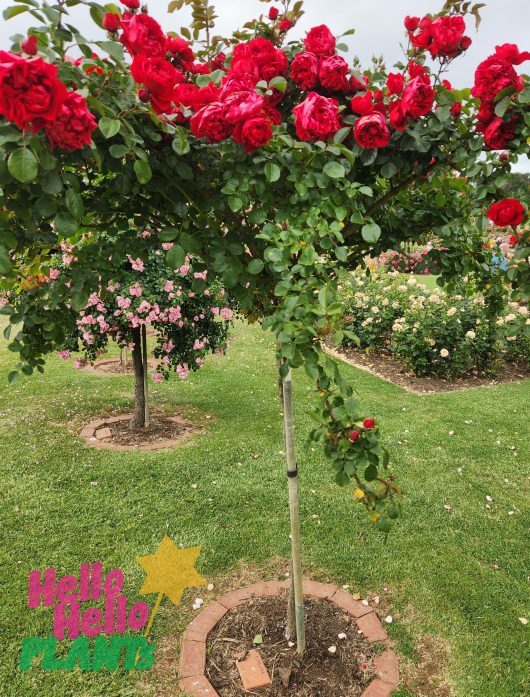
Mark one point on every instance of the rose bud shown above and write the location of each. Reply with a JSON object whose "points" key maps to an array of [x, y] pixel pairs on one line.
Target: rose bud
{"points": [[354, 436], [369, 423], [111, 21], [29, 45], [503, 157], [285, 25], [465, 43], [144, 95], [131, 4], [412, 23], [456, 109], [273, 13]]}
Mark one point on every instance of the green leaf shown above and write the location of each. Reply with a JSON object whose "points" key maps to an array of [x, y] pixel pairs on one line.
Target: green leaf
{"points": [[388, 170], [272, 172], [74, 203], [118, 151], [14, 11], [109, 127], [371, 232], [370, 473], [168, 235], [341, 253], [5, 263], [113, 48], [12, 377], [23, 166], [341, 134], [334, 170], [51, 183], [180, 142], [143, 171], [255, 266], [235, 203], [176, 257], [65, 224]]}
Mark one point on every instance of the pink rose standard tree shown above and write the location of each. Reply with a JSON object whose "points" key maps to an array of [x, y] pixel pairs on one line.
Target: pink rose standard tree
{"points": [[281, 165]]}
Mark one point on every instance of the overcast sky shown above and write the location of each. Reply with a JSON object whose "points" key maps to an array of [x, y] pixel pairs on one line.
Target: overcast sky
{"points": [[378, 25]]}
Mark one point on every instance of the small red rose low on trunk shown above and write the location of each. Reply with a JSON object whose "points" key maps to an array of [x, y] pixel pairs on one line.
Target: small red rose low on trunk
{"points": [[507, 212], [369, 423], [354, 436]]}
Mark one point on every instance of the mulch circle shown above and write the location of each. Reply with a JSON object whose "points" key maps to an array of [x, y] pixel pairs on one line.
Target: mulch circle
{"points": [[385, 366], [114, 367], [224, 632], [113, 433]]}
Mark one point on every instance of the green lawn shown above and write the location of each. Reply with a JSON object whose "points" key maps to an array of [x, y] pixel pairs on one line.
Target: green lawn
{"points": [[429, 281], [64, 504]]}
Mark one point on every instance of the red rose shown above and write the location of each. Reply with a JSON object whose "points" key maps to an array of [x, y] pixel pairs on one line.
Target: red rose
{"points": [[131, 4], [285, 25], [395, 83], [509, 211], [30, 92], [270, 61], [200, 69], [210, 122], [371, 131], [465, 43], [355, 85], [417, 70], [72, 129], [218, 62], [503, 157], [362, 104], [253, 133], [316, 118], [181, 50], [111, 21], [143, 34], [412, 23], [156, 74], [320, 41], [333, 72], [240, 106], [456, 109], [424, 38], [418, 98], [304, 70], [498, 134], [511, 53], [447, 35], [369, 423], [354, 436], [398, 115], [513, 240], [274, 13], [447, 85], [492, 76], [30, 45]]}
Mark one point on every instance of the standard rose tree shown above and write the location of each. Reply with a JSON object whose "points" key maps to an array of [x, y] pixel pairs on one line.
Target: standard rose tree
{"points": [[277, 164]]}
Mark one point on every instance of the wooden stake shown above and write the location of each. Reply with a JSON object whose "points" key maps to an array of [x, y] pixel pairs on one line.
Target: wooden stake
{"points": [[292, 478], [146, 376]]}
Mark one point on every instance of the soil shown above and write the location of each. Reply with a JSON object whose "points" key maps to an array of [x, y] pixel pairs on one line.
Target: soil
{"points": [[384, 365], [114, 367], [320, 673]]}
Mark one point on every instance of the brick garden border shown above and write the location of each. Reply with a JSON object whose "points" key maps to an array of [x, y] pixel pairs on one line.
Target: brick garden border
{"points": [[193, 680], [95, 437]]}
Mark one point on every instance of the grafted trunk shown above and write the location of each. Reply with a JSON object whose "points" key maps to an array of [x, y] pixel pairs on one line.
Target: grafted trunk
{"points": [[138, 419]]}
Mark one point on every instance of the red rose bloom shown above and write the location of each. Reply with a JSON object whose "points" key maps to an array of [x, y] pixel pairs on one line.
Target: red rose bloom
{"points": [[333, 72], [218, 62], [424, 38], [181, 50], [371, 131], [362, 104], [274, 13], [397, 115], [492, 76], [417, 70], [395, 83], [30, 92], [316, 118], [355, 85], [253, 133], [447, 35], [320, 41], [285, 25], [418, 98], [72, 129], [143, 34], [131, 4], [156, 74], [354, 436], [369, 423], [30, 45], [304, 70], [412, 23], [507, 212], [210, 123], [111, 21], [513, 240], [511, 53], [270, 61], [499, 133], [456, 109], [240, 106]]}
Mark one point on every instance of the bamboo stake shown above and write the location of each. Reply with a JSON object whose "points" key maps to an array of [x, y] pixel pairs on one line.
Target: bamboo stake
{"points": [[292, 478], [146, 389]]}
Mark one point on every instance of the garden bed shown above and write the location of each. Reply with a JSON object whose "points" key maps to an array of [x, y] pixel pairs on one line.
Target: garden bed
{"points": [[385, 366], [114, 367]]}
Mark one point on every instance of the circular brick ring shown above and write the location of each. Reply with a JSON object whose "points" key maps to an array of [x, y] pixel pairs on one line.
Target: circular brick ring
{"points": [[96, 434], [193, 652]]}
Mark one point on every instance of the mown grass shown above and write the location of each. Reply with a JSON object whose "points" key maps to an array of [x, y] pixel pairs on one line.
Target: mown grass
{"points": [[460, 575]]}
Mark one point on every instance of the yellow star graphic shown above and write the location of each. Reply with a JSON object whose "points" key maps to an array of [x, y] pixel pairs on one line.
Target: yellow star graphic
{"points": [[170, 570]]}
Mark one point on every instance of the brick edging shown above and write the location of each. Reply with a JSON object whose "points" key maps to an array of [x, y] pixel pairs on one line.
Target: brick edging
{"points": [[192, 678]]}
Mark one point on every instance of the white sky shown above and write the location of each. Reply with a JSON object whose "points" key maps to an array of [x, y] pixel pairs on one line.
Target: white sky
{"points": [[378, 25]]}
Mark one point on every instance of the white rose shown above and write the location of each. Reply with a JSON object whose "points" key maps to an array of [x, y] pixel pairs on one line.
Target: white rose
{"points": [[444, 353], [470, 334], [451, 311], [374, 309]]}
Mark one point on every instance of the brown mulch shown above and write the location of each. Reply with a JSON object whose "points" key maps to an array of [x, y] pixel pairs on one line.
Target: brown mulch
{"points": [[161, 428], [385, 366], [114, 367], [346, 673]]}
